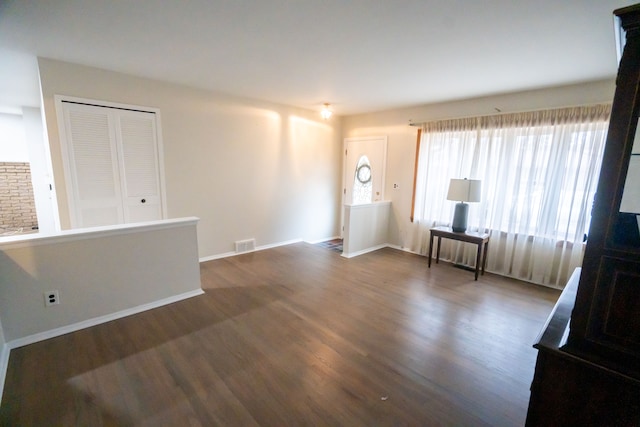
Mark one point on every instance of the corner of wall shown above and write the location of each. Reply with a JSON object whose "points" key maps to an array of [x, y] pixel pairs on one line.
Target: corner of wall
{"points": [[4, 360]]}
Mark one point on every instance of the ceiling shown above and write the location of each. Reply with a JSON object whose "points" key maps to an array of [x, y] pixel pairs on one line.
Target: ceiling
{"points": [[358, 55]]}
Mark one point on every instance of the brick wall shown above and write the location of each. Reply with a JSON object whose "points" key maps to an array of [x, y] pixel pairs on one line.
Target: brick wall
{"points": [[17, 206]]}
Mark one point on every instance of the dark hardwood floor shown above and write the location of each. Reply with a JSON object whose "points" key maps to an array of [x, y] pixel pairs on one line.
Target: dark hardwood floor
{"points": [[298, 335]]}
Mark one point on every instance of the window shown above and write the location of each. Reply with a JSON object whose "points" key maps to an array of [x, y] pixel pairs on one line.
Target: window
{"points": [[539, 174], [362, 182]]}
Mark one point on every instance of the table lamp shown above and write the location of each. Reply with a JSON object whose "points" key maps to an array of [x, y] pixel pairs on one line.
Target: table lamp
{"points": [[461, 191]]}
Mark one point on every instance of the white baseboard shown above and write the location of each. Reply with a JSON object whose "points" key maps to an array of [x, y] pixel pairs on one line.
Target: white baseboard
{"points": [[258, 248], [364, 251], [375, 248], [403, 249], [220, 256], [275, 245], [326, 239], [4, 364], [41, 336]]}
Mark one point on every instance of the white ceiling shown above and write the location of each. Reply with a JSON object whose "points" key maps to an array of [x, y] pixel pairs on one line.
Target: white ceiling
{"points": [[359, 55]]}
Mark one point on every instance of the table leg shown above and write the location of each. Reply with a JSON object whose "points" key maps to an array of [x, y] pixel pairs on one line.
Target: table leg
{"points": [[484, 257], [438, 250], [430, 248], [478, 258]]}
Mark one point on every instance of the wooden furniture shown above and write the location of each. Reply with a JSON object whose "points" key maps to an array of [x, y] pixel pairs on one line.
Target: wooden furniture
{"points": [[569, 390], [588, 366], [480, 239]]}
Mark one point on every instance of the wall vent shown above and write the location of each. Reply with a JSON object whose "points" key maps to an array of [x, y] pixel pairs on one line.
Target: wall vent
{"points": [[248, 245]]}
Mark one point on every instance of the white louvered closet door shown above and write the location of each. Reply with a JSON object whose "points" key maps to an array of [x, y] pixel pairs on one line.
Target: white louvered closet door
{"points": [[139, 165], [112, 164], [93, 166]]}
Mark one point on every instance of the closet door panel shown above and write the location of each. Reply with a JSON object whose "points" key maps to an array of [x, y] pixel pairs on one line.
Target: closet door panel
{"points": [[101, 215], [93, 166], [139, 164]]}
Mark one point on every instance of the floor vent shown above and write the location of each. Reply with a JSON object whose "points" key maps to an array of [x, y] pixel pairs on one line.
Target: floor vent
{"points": [[248, 245]]}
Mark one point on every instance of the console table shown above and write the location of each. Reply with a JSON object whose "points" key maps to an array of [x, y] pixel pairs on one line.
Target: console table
{"points": [[480, 239]]}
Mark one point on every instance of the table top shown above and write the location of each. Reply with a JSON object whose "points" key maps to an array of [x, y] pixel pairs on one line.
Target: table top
{"points": [[467, 235]]}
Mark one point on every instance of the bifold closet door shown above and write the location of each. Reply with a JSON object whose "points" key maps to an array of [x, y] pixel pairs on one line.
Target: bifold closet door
{"points": [[92, 166], [139, 165], [112, 165]]}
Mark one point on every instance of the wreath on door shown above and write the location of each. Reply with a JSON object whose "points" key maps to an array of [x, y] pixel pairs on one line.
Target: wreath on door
{"points": [[363, 174]]}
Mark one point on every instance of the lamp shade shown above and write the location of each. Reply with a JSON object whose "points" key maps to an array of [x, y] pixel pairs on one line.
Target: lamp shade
{"points": [[465, 190]]}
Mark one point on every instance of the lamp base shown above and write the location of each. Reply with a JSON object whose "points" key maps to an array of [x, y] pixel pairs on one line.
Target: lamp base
{"points": [[459, 224]]}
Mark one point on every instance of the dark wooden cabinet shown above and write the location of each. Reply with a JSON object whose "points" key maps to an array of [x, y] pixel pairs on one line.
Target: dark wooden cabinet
{"points": [[588, 366]]}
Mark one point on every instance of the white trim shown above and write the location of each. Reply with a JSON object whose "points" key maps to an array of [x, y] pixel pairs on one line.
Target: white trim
{"points": [[403, 249], [41, 336], [28, 240], [49, 164], [258, 248], [4, 364], [160, 147], [326, 239], [66, 166], [275, 245], [220, 256], [387, 245], [369, 205], [364, 251], [101, 103]]}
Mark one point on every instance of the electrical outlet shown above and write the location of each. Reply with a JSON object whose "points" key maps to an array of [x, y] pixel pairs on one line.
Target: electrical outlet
{"points": [[51, 298]]}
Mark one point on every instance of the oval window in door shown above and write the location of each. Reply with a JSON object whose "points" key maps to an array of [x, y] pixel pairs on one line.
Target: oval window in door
{"points": [[362, 182]]}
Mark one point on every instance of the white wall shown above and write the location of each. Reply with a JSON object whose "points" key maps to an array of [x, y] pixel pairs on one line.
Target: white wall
{"points": [[41, 176], [4, 360], [401, 148], [246, 168], [98, 272], [13, 146], [2, 340], [366, 228]]}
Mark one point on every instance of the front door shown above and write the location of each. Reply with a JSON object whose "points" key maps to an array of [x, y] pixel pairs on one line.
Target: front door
{"points": [[364, 170], [364, 166]]}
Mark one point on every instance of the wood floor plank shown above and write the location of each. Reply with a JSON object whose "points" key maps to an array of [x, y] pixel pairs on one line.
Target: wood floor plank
{"points": [[298, 335]]}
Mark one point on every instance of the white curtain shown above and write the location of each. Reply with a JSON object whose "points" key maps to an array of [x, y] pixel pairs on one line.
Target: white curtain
{"points": [[539, 172]]}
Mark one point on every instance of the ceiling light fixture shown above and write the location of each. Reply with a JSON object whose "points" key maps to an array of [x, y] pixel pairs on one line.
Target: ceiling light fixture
{"points": [[326, 112]]}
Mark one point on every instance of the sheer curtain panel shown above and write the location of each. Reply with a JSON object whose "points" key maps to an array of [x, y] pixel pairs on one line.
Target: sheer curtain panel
{"points": [[539, 172]]}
